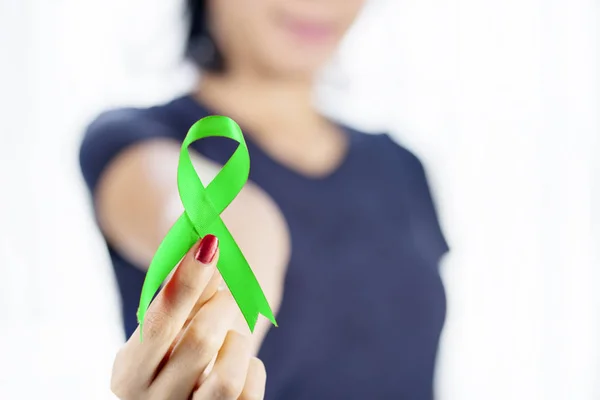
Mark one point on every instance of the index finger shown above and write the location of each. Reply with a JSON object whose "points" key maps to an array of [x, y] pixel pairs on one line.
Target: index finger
{"points": [[170, 309]]}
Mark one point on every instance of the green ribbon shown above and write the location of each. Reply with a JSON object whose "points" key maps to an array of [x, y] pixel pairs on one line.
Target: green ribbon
{"points": [[201, 216]]}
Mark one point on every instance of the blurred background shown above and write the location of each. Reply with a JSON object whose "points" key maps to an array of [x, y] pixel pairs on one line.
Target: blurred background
{"points": [[500, 99]]}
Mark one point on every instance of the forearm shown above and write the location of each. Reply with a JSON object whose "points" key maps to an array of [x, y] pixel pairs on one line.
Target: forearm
{"points": [[137, 202], [134, 197]]}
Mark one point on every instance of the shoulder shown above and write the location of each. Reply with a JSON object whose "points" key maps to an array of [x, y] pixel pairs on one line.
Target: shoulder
{"points": [[114, 130], [402, 170], [144, 122], [405, 179], [390, 156]]}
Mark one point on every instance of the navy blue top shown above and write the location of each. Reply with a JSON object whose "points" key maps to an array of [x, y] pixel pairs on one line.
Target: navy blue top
{"points": [[363, 304]]}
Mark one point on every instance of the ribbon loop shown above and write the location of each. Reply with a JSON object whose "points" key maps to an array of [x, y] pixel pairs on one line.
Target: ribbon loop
{"points": [[201, 216]]}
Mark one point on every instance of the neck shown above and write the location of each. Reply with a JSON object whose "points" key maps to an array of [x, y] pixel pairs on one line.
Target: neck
{"points": [[280, 117], [258, 102]]}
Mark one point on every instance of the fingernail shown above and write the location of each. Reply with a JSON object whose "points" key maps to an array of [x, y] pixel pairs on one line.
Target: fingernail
{"points": [[207, 249]]}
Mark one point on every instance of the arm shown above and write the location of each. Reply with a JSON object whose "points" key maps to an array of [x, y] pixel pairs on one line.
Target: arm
{"points": [[137, 201]]}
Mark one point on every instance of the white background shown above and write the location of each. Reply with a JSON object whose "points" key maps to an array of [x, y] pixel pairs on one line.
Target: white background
{"points": [[499, 98]]}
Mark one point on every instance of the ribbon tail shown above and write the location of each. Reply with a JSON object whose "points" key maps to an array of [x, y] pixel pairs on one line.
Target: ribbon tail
{"points": [[180, 238], [240, 279]]}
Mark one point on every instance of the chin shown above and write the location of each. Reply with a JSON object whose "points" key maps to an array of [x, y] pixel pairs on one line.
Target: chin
{"points": [[296, 66]]}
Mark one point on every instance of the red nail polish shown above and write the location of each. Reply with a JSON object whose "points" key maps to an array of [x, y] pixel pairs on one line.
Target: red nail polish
{"points": [[207, 249]]}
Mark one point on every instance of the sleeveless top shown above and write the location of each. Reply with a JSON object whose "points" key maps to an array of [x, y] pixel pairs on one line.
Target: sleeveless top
{"points": [[363, 304]]}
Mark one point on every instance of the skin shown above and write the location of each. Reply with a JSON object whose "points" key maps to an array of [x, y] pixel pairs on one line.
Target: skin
{"points": [[196, 344], [186, 331]]}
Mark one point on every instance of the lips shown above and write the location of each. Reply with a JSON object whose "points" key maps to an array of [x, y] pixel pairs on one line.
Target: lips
{"points": [[309, 31]]}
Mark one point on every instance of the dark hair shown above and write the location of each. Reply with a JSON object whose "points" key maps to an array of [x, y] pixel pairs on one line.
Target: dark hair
{"points": [[201, 47]]}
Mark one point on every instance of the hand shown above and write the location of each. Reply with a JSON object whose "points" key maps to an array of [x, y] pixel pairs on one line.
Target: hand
{"points": [[185, 331]]}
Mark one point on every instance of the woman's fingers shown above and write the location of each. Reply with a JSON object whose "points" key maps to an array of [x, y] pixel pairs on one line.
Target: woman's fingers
{"points": [[227, 379], [199, 344], [137, 362], [187, 328], [256, 379], [209, 291]]}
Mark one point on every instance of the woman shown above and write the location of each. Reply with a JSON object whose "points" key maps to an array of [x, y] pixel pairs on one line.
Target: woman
{"points": [[339, 226]]}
